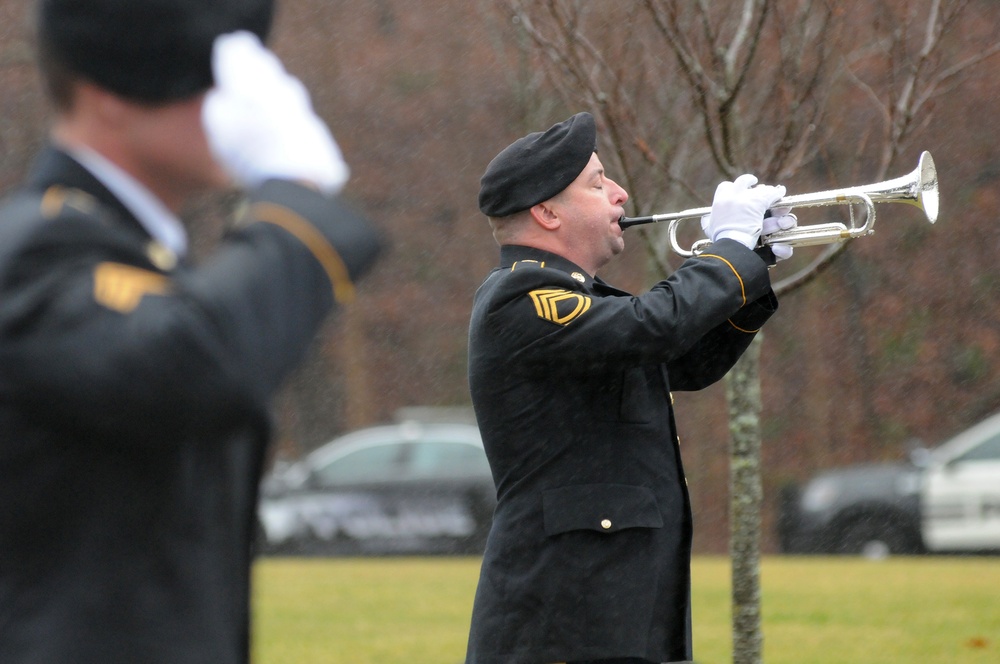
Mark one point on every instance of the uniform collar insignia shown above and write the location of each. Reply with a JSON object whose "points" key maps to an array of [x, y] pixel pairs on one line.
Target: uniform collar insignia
{"points": [[161, 256]]}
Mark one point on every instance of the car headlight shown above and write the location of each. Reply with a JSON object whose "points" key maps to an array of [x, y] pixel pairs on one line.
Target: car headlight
{"points": [[819, 495]]}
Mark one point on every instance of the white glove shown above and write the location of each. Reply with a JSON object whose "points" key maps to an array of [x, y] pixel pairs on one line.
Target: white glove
{"points": [[781, 219], [260, 123], [738, 210]]}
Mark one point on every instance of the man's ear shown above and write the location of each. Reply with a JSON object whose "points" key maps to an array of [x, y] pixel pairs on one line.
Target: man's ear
{"points": [[545, 216]]}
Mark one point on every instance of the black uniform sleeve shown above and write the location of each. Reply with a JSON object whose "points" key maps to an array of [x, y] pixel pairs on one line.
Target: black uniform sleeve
{"points": [[94, 335], [698, 317]]}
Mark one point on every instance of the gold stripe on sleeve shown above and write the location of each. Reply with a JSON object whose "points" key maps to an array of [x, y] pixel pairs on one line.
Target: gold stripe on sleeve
{"points": [[730, 321], [319, 246], [743, 290]]}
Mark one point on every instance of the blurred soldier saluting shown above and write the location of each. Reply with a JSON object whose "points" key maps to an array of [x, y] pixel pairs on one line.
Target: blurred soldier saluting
{"points": [[134, 385]]}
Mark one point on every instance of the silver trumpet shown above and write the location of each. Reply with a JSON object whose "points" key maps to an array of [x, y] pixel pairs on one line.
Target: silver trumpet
{"points": [[919, 188]]}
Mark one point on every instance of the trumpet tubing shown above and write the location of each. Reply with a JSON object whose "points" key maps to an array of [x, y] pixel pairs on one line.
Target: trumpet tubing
{"points": [[918, 188]]}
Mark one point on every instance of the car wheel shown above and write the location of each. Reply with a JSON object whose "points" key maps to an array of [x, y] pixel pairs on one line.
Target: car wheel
{"points": [[877, 537]]}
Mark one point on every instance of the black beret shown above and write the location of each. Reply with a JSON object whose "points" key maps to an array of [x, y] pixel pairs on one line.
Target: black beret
{"points": [[151, 51], [535, 168]]}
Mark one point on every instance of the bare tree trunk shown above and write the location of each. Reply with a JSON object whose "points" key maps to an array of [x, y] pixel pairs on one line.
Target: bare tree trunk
{"points": [[746, 497]]}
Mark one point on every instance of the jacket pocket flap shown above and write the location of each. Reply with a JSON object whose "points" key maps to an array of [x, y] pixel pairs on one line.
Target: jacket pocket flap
{"points": [[605, 508]]}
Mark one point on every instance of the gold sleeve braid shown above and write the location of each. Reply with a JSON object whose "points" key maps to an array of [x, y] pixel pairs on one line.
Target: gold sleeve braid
{"points": [[319, 246], [743, 290]]}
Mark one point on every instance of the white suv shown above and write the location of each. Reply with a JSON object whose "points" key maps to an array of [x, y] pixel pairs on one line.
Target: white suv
{"points": [[960, 491]]}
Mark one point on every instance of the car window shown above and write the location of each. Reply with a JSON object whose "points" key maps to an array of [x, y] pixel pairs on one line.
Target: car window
{"points": [[370, 464], [988, 450], [445, 459]]}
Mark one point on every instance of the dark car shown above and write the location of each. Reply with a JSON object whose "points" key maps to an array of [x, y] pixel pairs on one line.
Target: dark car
{"points": [[871, 510], [943, 501], [404, 488]]}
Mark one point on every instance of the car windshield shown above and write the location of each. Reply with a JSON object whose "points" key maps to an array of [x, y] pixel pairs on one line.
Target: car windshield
{"points": [[988, 450], [402, 461], [370, 464], [441, 460]]}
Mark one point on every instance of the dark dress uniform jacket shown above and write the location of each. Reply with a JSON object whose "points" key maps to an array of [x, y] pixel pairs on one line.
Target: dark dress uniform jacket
{"points": [[589, 553], [133, 414]]}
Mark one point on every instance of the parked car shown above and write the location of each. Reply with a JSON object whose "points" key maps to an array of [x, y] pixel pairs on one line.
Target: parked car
{"points": [[403, 488], [945, 500]]}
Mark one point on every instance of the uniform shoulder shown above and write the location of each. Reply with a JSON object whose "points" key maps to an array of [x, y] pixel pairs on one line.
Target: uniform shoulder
{"points": [[28, 208], [522, 283], [525, 275], [57, 214]]}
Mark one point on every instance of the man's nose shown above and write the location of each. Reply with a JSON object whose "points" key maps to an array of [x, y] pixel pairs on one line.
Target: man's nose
{"points": [[619, 196]]}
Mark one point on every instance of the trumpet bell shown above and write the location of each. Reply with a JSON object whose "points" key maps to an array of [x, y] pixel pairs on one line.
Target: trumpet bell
{"points": [[927, 186]]}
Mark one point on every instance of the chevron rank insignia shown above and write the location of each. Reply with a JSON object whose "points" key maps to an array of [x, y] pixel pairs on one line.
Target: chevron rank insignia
{"points": [[121, 287], [559, 306]]}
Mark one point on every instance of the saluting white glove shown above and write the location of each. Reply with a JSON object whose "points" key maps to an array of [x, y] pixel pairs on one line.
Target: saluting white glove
{"points": [[781, 219], [260, 122], [738, 210]]}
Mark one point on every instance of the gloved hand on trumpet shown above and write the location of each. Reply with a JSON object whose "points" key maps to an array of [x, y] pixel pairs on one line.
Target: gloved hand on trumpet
{"points": [[742, 211]]}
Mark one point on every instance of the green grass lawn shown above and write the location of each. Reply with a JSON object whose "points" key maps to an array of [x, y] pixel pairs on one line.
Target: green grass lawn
{"points": [[816, 610]]}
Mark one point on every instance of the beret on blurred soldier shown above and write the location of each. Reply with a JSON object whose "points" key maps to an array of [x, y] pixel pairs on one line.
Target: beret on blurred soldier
{"points": [[535, 168], [150, 51]]}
